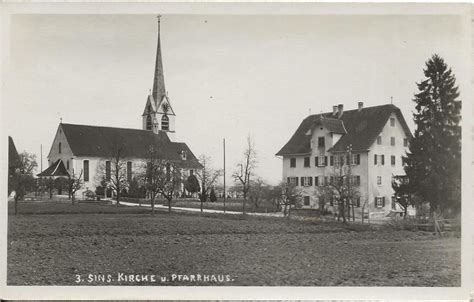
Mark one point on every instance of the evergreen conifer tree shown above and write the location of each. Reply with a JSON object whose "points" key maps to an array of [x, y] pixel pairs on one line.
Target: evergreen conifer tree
{"points": [[433, 163]]}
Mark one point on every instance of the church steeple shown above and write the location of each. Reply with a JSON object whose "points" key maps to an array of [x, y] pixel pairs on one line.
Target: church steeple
{"points": [[158, 115], [159, 81]]}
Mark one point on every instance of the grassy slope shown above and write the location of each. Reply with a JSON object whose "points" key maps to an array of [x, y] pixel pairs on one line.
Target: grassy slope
{"points": [[52, 248]]}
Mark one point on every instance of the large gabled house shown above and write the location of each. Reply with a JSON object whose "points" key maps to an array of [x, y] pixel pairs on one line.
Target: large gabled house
{"points": [[82, 149], [372, 139]]}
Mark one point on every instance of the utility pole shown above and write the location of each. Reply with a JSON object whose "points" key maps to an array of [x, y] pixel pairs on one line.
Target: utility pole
{"points": [[225, 194]]}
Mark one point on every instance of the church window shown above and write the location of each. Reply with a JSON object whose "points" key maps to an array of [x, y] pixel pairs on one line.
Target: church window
{"points": [[59, 147], [165, 123], [129, 171], [67, 165], [149, 125], [86, 170]]}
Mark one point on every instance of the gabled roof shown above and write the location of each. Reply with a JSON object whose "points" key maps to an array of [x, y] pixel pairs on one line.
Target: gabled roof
{"points": [[362, 126], [13, 157], [95, 141], [56, 169]]}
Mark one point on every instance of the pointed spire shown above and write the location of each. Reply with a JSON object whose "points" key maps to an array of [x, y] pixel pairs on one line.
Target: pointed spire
{"points": [[159, 80]]}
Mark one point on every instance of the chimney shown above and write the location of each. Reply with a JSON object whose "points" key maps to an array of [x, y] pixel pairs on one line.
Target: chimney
{"points": [[360, 105], [340, 108], [334, 110]]}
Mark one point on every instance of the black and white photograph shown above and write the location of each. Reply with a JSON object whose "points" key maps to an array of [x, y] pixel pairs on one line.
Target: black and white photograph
{"points": [[200, 150]]}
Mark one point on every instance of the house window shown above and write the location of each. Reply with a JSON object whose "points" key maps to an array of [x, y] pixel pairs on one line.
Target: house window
{"points": [[293, 162], [355, 159], [375, 159], [403, 161], [392, 141], [293, 181], [67, 164], [129, 171], [306, 181], [86, 170], [316, 181], [392, 121], [191, 172], [165, 123], [382, 159], [306, 200], [392, 160], [306, 162], [183, 155], [336, 161], [321, 161], [405, 142], [321, 141], [356, 180], [379, 180], [331, 160], [107, 170], [379, 140], [149, 125], [379, 202], [357, 202], [59, 147]]}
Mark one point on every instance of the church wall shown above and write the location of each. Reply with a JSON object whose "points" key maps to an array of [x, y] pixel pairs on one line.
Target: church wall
{"points": [[66, 153]]}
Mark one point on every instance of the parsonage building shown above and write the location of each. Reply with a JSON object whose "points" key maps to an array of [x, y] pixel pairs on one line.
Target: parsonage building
{"points": [[371, 140]]}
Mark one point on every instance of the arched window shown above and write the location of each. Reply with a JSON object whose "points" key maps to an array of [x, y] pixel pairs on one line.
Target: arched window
{"points": [[165, 123], [149, 125], [59, 147]]}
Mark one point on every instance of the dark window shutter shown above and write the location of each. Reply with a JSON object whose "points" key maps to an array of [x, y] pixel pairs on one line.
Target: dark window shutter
{"points": [[288, 180], [310, 181], [375, 159], [383, 159], [325, 160], [316, 160], [302, 181], [375, 202], [358, 159], [383, 201], [296, 178], [331, 160], [316, 181]]}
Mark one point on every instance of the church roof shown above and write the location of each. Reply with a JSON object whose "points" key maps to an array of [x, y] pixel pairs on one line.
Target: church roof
{"points": [[13, 157], [96, 141], [362, 128], [56, 169]]}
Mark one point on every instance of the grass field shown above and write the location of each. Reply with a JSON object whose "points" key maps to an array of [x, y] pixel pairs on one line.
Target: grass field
{"points": [[231, 205], [67, 241]]}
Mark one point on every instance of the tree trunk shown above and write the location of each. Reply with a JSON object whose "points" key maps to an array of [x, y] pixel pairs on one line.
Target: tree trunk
{"points": [[16, 203], [152, 206], [169, 205], [118, 197], [243, 205], [405, 212], [73, 198]]}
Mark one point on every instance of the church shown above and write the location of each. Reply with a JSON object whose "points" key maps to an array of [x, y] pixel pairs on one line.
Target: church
{"points": [[83, 149]]}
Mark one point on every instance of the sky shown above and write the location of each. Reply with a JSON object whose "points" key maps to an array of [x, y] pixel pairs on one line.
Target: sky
{"points": [[227, 76]]}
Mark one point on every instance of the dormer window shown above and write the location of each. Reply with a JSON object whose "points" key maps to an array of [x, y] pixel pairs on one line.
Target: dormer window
{"points": [[165, 123], [321, 142]]}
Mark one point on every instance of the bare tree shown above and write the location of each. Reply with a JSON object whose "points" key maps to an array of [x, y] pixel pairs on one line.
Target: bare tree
{"points": [[74, 184], [22, 173], [115, 171], [340, 186], [245, 170], [259, 190], [290, 196], [160, 177], [207, 176]]}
